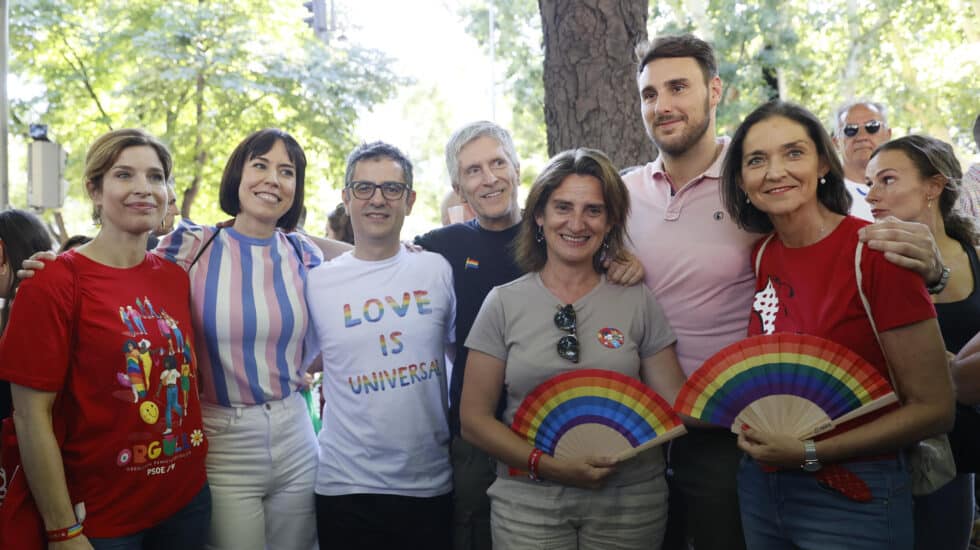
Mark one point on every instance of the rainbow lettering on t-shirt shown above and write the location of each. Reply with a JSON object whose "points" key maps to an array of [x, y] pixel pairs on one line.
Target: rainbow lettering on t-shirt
{"points": [[374, 308], [399, 377]]}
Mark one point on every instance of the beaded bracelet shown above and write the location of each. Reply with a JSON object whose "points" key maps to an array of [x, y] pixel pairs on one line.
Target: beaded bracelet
{"points": [[532, 464], [60, 535]]}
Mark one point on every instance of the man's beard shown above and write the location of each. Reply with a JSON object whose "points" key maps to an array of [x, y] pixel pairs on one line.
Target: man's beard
{"points": [[681, 143]]}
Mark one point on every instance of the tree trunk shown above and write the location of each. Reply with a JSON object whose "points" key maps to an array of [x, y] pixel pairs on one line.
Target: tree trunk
{"points": [[590, 95]]}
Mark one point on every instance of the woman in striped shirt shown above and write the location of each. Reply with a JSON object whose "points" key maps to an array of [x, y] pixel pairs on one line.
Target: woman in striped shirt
{"points": [[250, 318]]}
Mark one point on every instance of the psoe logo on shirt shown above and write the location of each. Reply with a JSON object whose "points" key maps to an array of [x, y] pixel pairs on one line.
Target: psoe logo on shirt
{"points": [[471, 264], [612, 338]]}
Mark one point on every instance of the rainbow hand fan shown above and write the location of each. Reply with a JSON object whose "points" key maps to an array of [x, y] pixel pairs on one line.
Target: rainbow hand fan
{"points": [[793, 384], [594, 412]]}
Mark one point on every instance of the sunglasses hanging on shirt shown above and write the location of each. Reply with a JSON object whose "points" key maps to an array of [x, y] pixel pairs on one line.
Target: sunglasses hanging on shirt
{"points": [[568, 345]]}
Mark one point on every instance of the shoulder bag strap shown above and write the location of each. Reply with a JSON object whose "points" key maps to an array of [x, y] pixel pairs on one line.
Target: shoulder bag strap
{"points": [[758, 255], [205, 247], [867, 310]]}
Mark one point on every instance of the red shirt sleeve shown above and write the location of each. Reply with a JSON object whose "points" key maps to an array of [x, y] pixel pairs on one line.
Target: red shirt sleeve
{"points": [[35, 348], [897, 295]]}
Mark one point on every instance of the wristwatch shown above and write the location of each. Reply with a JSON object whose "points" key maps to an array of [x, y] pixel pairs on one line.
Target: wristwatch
{"points": [[810, 462], [941, 283]]}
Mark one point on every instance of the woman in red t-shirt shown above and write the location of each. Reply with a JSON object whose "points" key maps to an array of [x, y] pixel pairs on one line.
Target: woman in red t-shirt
{"points": [[849, 489], [109, 460]]}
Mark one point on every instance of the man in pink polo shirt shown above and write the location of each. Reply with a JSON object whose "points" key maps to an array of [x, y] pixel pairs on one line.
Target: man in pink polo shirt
{"points": [[697, 263]]}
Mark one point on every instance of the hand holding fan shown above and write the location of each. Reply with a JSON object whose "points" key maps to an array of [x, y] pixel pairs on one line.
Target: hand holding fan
{"points": [[792, 384], [594, 412]]}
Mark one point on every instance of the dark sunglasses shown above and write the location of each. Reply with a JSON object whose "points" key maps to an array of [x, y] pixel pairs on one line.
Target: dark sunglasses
{"points": [[871, 127], [568, 344]]}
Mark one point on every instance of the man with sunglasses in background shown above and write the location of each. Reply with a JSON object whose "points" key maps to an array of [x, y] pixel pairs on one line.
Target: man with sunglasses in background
{"points": [[383, 320], [861, 127]]}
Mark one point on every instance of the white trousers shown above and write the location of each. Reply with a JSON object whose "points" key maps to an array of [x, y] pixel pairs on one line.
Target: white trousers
{"points": [[262, 468], [529, 516]]}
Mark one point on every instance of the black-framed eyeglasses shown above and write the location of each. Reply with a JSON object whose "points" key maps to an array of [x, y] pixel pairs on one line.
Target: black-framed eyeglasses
{"points": [[871, 127], [390, 190], [568, 344]]}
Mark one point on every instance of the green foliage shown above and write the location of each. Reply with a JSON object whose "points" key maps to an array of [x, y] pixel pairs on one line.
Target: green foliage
{"points": [[828, 53], [520, 50], [200, 74], [920, 58]]}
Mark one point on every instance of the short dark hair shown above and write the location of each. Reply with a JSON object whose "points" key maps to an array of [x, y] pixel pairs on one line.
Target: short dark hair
{"points": [[254, 145], [378, 150], [933, 157], [530, 254], [832, 194], [22, 234], [678, 45], [73, 242]]}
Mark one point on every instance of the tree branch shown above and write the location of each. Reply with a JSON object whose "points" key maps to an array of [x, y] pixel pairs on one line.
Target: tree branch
{"points": [[79, 67]]}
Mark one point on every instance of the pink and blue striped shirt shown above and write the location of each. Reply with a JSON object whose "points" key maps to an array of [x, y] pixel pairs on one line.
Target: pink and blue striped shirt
{"points": [[248, 308]]}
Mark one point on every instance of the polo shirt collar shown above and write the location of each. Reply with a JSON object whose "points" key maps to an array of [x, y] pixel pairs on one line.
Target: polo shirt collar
{"points": [[658, 173]]}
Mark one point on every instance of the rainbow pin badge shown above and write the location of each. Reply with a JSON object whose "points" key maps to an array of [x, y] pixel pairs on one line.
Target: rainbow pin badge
{"points": [[610, 337]]}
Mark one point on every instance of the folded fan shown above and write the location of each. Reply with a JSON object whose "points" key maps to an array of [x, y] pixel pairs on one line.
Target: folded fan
{"points": [[595, 412], [793, 384]]}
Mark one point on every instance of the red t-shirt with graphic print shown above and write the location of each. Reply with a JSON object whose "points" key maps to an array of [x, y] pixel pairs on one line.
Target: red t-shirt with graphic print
{"points": [[813, 290], [134, 447]]}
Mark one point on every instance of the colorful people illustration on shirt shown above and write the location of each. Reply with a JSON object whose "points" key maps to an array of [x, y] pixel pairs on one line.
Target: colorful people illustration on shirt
{"points": [[145, 358], [185, 383], [164, 327], [168, 379], [149, 307], [125, 319], [134, 370], [134, 316], [179, 338]]}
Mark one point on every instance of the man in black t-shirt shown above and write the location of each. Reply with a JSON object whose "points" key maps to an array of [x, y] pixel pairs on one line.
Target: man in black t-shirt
{"points": [[485, 172]]}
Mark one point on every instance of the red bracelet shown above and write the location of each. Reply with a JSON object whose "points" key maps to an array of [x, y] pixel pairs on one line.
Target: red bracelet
{"points": [[59, 535], [532, 464]]}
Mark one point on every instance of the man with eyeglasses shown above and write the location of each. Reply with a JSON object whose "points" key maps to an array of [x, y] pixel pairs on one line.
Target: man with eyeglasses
{"points": [[383, 320], [862, 126]]}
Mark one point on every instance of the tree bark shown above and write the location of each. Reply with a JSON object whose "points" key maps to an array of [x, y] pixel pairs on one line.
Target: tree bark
{"points": [[590, 95]]}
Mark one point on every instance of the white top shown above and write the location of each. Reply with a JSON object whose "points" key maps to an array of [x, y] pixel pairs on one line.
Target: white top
{"points": [[859, 205], [382, 327]]}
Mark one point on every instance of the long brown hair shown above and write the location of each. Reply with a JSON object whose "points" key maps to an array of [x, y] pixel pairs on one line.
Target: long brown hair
{"points": [[933, 157]]}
